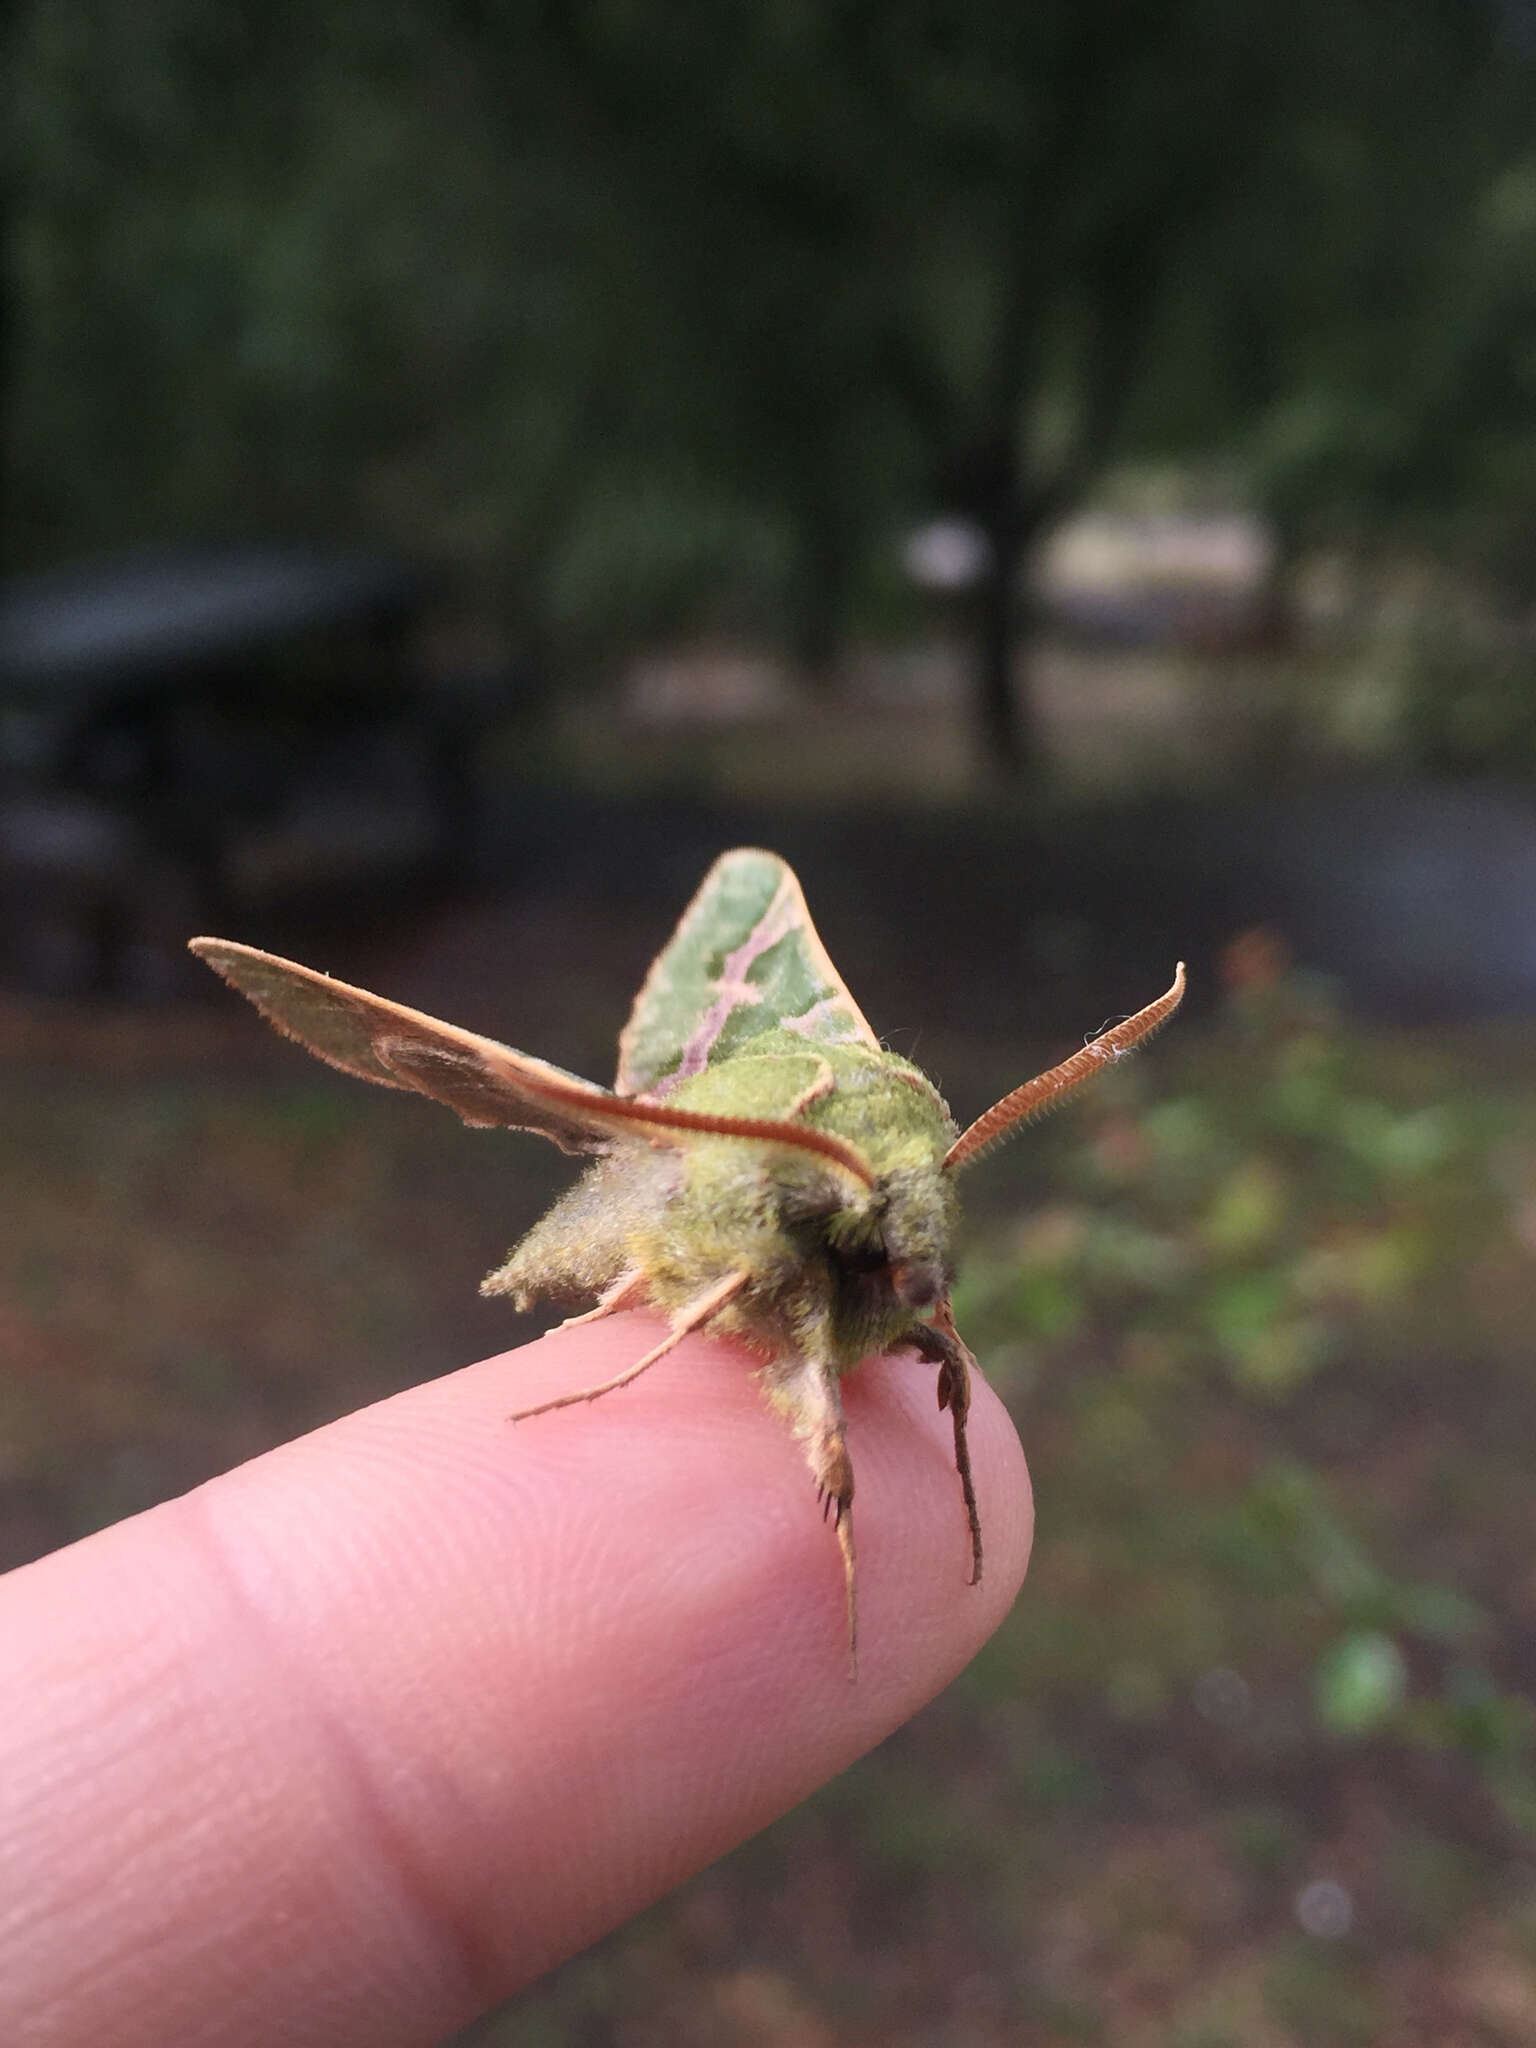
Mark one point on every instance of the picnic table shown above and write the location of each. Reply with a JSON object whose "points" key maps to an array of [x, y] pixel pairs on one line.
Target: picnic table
{"points": [[188, 732]]}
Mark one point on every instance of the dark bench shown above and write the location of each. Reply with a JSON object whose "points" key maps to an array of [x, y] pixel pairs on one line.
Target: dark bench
{"points": [[187, 734]]}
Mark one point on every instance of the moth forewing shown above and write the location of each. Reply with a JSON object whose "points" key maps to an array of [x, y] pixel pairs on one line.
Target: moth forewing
{"points": [[490, 1085], [745, 958], [764, 1168]]}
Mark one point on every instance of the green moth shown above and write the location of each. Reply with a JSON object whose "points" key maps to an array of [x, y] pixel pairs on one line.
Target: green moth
{"points": [[765, 1167]]}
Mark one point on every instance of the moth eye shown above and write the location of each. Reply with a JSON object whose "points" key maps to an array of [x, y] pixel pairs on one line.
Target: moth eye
{"points": [[917, 1284]]}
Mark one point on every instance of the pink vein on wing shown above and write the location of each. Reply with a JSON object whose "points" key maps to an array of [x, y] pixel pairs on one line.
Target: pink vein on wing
{"points": [[736, 991], [827, 1011]]}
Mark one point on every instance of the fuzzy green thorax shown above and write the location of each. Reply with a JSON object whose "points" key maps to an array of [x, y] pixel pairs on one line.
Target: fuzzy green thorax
{"points": [[834, 1264]]}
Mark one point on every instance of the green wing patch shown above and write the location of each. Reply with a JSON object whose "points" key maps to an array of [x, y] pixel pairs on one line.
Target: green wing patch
{"points": [[745, 959]]}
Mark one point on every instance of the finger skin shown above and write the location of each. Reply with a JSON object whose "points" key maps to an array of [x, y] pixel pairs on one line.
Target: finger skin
{"points": [[349, 1743]]}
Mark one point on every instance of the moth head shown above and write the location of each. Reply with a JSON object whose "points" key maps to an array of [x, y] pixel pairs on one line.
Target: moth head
{"points": [[900, 1230], [918, 1228]]}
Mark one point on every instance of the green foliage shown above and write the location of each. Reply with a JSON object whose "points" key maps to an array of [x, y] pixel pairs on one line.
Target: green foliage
{"points": [[1220, 1335], [1276, 1215], [1326, 1998], [666, 318], [1361, 1683], [1466, 695]]}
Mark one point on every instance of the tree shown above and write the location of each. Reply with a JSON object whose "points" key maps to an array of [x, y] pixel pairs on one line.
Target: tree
{"points": [[644, 301], [937, 254]]}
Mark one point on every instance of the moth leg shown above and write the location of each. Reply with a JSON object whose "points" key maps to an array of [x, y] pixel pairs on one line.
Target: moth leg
{"points": [[687, 1318], [940, 1343], [807, 1392], [628, 1291]]}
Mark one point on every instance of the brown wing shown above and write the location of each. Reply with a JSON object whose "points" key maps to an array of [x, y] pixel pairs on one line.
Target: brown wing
{"points": [[486, 1082]]}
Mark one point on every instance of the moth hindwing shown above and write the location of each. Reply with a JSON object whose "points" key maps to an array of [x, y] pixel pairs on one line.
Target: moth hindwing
{"points": [[763, 1167]]}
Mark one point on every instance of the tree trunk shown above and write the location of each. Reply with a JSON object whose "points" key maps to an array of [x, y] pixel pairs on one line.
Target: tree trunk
{"points": [[821, 602], [1004, 727], [1007, 730], [989, 484]]}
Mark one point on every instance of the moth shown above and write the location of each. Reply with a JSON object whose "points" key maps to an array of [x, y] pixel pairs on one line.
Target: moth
{"points": [[764, 1167]]}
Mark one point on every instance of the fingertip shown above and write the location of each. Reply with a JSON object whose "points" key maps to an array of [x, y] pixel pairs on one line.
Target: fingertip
{"points": [[486, 1689]]}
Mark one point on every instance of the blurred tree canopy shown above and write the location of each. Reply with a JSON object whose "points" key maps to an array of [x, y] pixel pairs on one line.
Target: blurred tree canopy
{"points": [[647, 314]]}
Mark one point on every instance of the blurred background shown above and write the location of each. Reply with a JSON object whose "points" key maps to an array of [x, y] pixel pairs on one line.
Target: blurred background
{"points": [[1066, 478]]}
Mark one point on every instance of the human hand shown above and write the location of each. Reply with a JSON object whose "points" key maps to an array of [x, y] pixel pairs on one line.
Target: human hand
{"points": [[350, 1743]]}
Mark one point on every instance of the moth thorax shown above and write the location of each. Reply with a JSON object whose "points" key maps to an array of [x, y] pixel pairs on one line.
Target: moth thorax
{"points": [[896, 1240]]}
